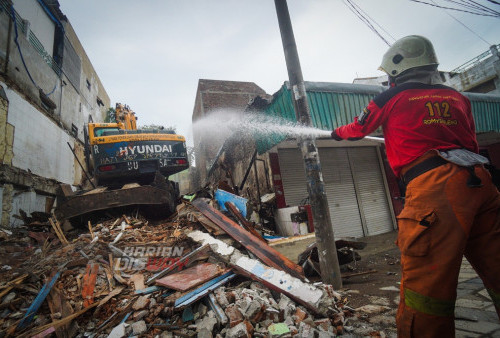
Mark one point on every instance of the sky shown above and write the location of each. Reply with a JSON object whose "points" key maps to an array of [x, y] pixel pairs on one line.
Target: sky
{"points": [[150, 54]]}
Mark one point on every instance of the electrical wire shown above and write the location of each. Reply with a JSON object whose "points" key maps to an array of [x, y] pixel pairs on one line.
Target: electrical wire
{"points": [[460, 22], [372, 20], [13, 14], [476, 9], [359, 13]]}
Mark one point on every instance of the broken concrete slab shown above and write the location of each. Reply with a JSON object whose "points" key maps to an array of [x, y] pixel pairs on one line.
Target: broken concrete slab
{"points": [[308, 295], [139, 327], [242, 330], [141, 303]]}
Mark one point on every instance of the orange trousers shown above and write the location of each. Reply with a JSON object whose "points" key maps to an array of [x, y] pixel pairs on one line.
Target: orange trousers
{"points": [[443, 220]]}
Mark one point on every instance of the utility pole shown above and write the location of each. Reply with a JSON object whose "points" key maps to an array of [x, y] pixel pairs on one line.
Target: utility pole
{"points": [[325, 239]]}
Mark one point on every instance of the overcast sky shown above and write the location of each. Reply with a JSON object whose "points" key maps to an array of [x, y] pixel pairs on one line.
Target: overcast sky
{"points": [[150, 54]]}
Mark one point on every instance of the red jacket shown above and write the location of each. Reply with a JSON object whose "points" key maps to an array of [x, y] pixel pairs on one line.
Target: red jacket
{"points": [[415, 118]]}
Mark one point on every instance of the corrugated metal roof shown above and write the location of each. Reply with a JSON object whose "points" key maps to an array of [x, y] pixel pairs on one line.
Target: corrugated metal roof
{"points": [[335, 104], [486, 111]]}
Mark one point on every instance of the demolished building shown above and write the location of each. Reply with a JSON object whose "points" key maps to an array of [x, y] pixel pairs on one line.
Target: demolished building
{"points": [[48, 90], [363, 194]]}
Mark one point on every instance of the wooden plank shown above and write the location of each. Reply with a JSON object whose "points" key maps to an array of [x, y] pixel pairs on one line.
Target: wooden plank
{"points": [[244, 223], [59, 304], [192, 277], [60, 322], [113, 293], [96, 191], [33, 308], [180, 264], [10, 285], [267, 254], [89, 284], [58, 231], [138, 280], [208, 224]]}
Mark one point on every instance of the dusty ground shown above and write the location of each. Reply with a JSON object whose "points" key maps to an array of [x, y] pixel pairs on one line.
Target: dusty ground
{"points": [[376, 291], [382, 256]]}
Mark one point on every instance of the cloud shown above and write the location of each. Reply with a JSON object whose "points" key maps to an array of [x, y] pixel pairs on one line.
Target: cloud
{"points": [[150, 54]]}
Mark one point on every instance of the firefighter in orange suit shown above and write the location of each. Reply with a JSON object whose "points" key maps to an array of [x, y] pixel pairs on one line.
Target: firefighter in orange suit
{"points": [[451, 205]]}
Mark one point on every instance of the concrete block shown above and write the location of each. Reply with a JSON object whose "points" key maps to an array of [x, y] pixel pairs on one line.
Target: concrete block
{"points": [[323, 324], [139, 327], [222, 299], [299, 315], [242, 330], [254, 311], [234, 315], [141, 303], [138, 315]]}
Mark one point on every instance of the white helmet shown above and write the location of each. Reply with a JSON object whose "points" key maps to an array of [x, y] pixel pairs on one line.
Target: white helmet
{"points": [[406, 53]]}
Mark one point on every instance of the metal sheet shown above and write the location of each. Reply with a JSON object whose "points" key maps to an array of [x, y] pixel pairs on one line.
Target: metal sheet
{"points": [[371, 190], [263, 251], [82, 204], [191, 277], [339, 186]]}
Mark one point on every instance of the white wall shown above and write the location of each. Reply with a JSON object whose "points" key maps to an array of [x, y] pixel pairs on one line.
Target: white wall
{"points": [[40, 23], [39, 144], [29, 201]]}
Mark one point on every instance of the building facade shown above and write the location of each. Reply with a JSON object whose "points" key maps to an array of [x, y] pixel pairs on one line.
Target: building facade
{"points": [[363, 194], [219, 100], [48, 90]]}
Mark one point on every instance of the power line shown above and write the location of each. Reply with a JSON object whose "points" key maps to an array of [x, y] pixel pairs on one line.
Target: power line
{"points": [[476, 10], [372, 20], [358, 12], [460, 22]]}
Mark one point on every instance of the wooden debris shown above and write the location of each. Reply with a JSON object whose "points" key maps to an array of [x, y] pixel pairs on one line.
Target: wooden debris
{"points": [[91, 231], [266, 253], [191, 277], [112, 294], [89, 280], [33, 308], [57, 228], [138, 280]]}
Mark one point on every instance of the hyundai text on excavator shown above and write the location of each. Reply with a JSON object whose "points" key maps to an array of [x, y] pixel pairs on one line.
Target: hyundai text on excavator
{"points": [[129, 166]]}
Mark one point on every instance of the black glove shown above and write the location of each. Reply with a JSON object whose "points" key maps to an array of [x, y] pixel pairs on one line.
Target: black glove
{"points": [[336, 137]]}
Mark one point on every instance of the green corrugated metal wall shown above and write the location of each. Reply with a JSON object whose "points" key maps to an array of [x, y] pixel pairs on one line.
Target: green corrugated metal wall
{"points": [[330, 109], [486, 112]]}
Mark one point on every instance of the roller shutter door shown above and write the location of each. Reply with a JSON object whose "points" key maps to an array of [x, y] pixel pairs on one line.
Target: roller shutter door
{"points": [[354, 186], [372, 196], [339, 186]]}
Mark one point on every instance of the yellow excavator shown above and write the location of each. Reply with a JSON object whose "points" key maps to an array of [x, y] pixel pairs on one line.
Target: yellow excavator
{"points": [[128, 166]]}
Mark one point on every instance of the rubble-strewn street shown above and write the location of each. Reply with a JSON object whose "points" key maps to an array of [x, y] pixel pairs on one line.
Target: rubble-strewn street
{"points": [[186, 277], [181, 277]]}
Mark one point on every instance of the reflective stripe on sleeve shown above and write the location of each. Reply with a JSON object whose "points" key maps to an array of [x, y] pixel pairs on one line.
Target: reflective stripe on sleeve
{"points": [[429, 305]]}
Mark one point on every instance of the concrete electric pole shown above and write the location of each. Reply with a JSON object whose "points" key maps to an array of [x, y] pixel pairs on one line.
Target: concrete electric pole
{"points": [[325, 239]]}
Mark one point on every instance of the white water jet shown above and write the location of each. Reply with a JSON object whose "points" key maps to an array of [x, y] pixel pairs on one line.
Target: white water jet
{"points": [[222, 124]]}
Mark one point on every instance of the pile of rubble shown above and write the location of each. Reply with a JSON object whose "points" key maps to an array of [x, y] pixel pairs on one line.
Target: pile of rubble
{"points": [[200, 273]]}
